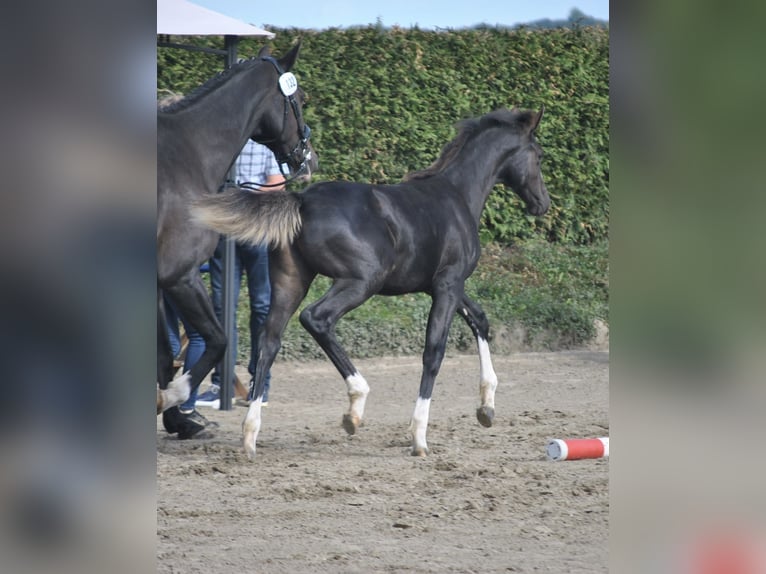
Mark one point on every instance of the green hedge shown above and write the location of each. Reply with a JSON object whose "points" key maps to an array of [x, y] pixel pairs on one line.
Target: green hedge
{"points": [[383, 102]]}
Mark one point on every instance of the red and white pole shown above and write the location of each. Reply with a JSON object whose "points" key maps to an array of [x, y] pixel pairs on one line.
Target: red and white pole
{"points": [[578, 448]]}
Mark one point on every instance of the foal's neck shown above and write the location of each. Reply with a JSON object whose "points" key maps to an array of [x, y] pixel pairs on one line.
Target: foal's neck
{"points": [[475, 170]]}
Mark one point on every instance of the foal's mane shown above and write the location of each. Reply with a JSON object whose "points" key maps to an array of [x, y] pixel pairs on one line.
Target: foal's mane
{"points": [[219, 79], [514, 118]]}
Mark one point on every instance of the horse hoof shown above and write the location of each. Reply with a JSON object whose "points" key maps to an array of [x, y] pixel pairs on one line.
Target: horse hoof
{"points": [[192, 430], [485, 416], [249, 445], [350, 423], [419, 451], [172, 420]]}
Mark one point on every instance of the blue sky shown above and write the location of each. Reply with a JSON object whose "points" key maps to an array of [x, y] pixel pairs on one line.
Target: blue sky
{"points": [[427, 14]]}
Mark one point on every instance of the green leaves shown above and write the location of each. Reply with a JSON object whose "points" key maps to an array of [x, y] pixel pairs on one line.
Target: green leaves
{"points": [[383, 102]]}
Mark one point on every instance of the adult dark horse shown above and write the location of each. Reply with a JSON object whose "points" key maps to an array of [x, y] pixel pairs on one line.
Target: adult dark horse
{"points": [[198, 139], [421, 235]]}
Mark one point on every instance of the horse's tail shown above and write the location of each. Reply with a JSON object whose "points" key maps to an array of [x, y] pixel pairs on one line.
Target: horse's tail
{"points": [[255, 217]]}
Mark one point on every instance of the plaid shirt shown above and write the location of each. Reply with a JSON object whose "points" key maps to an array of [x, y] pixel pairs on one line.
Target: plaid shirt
{"points": [[255, 163]]}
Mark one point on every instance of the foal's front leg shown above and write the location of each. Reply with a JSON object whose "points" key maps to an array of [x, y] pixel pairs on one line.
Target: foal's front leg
{"points": [[439, 321], [289, 283]]}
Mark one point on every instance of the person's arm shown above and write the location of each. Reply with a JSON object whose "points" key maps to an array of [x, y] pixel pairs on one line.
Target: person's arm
{"points": [[273, 180]]}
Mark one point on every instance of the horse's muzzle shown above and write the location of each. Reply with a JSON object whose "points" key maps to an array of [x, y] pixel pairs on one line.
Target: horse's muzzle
{"points": [[310, 164], [541, 206]]}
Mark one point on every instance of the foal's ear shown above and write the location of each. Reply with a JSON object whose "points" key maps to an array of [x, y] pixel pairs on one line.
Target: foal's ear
{"points": [[536, 120], [288, 60], [263, 52]]}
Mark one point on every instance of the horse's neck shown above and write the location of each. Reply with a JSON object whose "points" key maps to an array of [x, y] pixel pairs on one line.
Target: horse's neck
{"points": [[225, 119], [475, 171]]}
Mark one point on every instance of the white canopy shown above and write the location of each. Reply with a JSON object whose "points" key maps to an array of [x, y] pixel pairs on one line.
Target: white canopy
{"points": [[183, 18]]}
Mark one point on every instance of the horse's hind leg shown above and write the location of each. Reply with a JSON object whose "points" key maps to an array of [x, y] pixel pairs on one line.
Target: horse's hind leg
{"points": [[477, 321], [289, 285], [193, 302], [164, 351], [319, 319]]}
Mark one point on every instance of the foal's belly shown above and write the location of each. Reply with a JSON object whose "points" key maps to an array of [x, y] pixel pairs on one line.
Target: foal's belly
{"points": [[414, 278], [399, 285]]}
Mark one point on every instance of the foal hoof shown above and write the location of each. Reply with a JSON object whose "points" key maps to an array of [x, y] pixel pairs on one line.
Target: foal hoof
{"points": [[485, 416], [350, 423], [249, 446]]}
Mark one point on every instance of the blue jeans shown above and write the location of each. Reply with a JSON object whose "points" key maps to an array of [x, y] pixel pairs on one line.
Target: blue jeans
{"points": [[254, 262], [193, 351]]}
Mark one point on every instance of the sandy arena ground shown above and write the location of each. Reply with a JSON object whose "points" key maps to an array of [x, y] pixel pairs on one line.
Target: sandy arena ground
{"points": [[317, 500]]}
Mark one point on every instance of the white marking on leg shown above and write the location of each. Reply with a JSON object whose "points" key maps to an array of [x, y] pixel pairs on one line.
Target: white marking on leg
{"points": [[177, 392], [250, 427], [358, 389], [418, 426], [488, 378]]}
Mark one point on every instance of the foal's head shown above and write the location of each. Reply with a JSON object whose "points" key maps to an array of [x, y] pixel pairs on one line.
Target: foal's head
{"points": [[521, 169], [283, 128]]}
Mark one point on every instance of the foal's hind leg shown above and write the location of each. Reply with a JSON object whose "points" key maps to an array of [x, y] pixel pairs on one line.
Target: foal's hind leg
{"points": [[477, 321], [289, 285], [320, 319]]}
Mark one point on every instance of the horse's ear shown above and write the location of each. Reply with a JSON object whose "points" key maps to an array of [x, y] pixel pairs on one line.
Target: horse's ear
{"points": [[263, 52], [288, 60], [536, 119]]}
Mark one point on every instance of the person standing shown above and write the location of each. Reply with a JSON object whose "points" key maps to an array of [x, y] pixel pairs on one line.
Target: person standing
{"points": [[255, 164]]}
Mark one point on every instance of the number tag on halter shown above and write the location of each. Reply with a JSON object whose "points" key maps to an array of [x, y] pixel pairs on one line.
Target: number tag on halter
{"points": [[288, 84]]}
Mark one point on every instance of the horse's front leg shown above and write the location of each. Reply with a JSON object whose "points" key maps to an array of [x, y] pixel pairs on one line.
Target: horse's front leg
{"points": [[477, 321], [439, 321]]}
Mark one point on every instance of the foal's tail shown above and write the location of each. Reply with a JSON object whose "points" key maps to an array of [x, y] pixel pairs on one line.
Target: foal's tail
{"points": [[271, 217]]}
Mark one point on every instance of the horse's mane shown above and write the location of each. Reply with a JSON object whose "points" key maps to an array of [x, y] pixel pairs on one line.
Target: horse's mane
{"points": [[175, 105], [466, 130]]}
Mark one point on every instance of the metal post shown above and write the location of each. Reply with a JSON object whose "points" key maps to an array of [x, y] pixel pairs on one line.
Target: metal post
{"points": [[229, 280]]}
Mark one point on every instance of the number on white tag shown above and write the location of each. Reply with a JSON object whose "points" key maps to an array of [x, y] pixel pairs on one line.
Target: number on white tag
{"points": [[288, 84]]}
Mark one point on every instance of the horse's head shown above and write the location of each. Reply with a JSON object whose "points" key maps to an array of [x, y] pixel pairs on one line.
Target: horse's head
{"points": [[283, 129], [521, 170]]}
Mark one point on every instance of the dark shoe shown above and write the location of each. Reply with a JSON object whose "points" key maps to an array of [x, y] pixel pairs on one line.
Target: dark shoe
{"points": [[175, 421], [196, 417]]}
